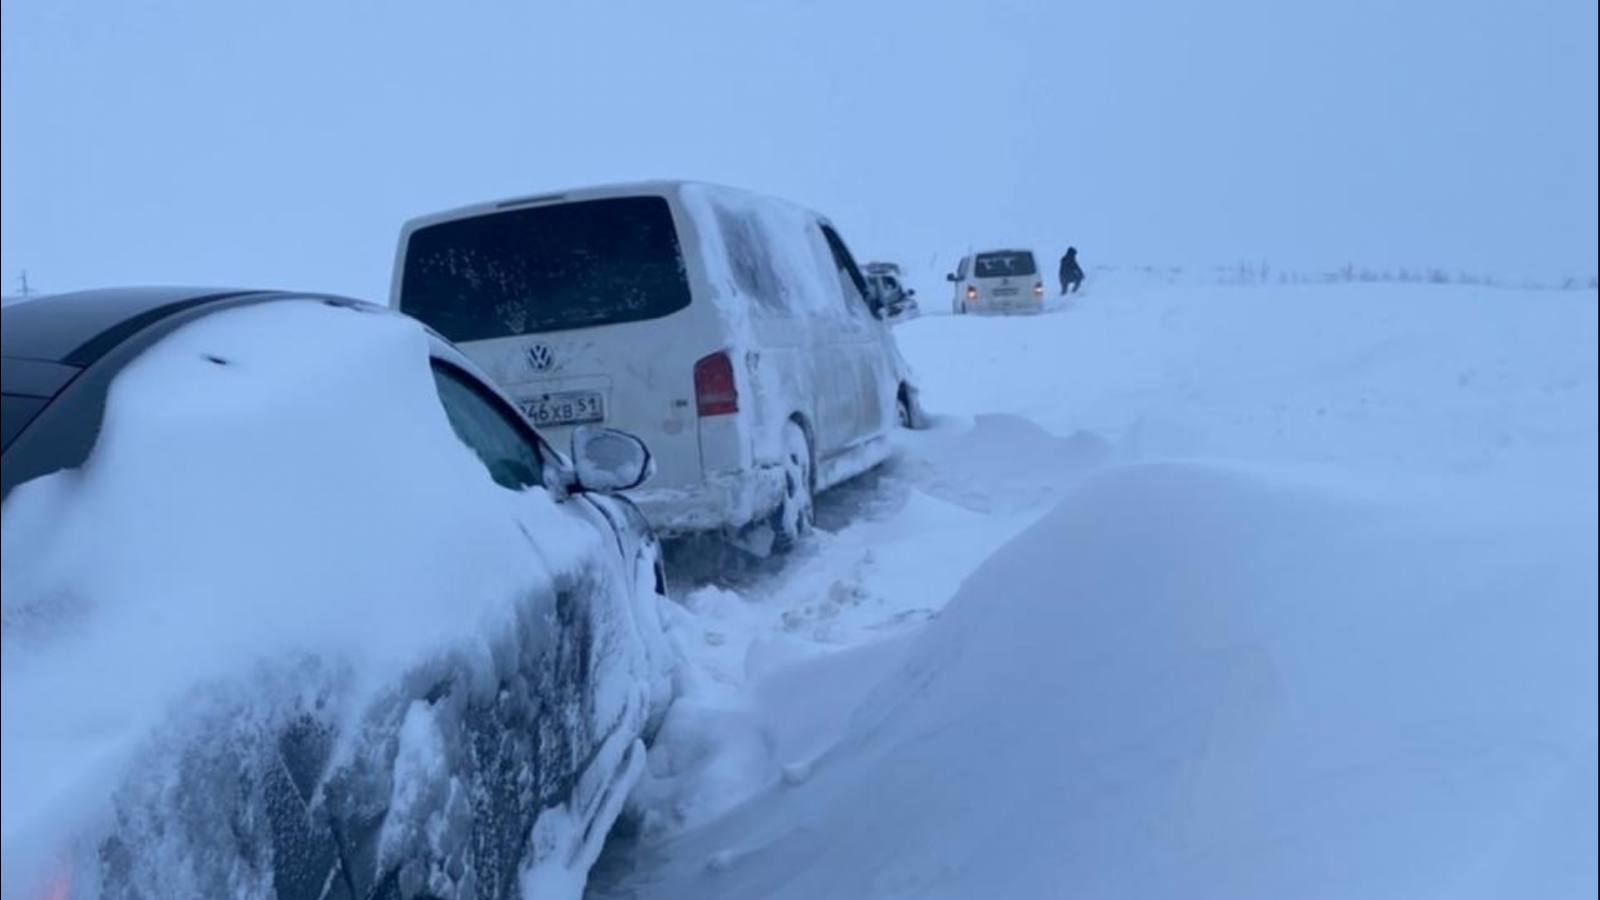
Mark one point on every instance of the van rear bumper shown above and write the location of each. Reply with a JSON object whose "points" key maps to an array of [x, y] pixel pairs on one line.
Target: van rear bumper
{"points": [[720, 502], [1005, 306]]}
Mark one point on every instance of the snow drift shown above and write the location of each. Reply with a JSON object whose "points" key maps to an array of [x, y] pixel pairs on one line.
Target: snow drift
{"points": [[1203, 681]]}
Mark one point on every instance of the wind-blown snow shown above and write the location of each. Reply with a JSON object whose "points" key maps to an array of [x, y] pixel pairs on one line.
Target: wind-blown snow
{"points": [[1188, 680], [1311, 611]]}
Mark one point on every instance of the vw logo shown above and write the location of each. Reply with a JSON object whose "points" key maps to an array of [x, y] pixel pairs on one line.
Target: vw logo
{"points": [[541, 357]]}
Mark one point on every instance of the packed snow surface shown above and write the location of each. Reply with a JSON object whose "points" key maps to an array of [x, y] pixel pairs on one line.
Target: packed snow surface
{"points": [[1191, 591]]}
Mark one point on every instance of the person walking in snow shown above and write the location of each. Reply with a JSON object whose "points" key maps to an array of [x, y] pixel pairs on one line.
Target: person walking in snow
{"points": [[1071, 272]]}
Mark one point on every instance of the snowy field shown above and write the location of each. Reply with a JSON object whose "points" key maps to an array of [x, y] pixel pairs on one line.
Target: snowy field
{"points": [[1190, 591]]}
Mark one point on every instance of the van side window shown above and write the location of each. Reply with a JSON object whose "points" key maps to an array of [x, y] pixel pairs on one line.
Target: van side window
{"points": [[849, 273], [747, 252], [961, 267]]}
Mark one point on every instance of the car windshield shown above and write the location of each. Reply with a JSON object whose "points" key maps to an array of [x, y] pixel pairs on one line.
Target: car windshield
{"points": [[1005, 264], [546, 268]]}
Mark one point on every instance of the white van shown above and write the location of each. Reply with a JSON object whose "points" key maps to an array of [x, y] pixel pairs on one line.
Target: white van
{"points": [[732, 332], [997, 281]]}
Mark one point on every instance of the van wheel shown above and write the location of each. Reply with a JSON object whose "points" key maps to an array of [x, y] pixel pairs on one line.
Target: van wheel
{"points": [[793, 518], [906, 414]]}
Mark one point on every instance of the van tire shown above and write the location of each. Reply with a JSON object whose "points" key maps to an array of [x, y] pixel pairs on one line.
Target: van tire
{"points": [[793, 518], [907, 415]]}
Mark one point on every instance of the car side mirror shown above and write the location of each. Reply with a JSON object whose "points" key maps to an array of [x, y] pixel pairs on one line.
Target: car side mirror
{"points": [[950, 277], [606, 460]]}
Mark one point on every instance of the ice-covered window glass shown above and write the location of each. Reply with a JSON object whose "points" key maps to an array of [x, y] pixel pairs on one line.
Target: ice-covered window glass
{"points": [[851, 282], [546, 268], [482, 423], [750, 259]]}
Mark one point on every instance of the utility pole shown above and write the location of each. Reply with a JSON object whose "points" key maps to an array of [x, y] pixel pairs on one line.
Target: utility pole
{"points": [[22, 283]]}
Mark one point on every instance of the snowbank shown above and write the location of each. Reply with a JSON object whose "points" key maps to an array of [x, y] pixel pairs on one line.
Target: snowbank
{"points": [[1334, 636], [781, 660], [1195, 681]]}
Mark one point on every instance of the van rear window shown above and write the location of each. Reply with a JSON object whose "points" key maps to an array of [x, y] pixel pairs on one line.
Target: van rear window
{"points": [[546, 268], [1003, 265]]}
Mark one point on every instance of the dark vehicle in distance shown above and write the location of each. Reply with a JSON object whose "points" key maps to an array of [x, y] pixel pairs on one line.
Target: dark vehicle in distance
{"points": [[887, 282]]}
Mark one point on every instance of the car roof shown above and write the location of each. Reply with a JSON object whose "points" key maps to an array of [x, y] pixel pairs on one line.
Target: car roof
{"points": [[77, 329], [71, 332], [62, 353]]}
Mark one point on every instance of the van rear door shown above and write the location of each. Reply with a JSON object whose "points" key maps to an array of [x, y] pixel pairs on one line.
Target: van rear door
{"points": [[1005, 279], [571, 306]]}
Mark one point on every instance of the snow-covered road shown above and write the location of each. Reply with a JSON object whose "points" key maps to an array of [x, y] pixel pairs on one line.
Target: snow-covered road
{"points": [[1240, 590]]}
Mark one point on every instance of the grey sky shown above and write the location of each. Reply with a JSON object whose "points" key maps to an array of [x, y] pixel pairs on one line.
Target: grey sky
{"points": [[283, 143]]}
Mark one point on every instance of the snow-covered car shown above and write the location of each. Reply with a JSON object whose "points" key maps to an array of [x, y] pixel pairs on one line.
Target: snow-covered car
{"points": [[298, 606], [733, 332], [886, 284], [997, 281]]}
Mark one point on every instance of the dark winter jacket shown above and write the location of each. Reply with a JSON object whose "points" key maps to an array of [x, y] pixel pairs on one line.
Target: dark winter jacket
{"points": [[1070, 270]]}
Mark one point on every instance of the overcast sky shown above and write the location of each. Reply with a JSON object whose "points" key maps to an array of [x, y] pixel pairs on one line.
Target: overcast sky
{"points": [[282, 143]]}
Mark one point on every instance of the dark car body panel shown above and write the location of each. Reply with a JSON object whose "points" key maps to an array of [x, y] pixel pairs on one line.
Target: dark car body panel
{"points": [[78, 328], [35, 378]]}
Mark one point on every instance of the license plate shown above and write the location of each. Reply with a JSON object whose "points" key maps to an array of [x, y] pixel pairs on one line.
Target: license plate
{"points": [[566, 408], [1005, 292]]}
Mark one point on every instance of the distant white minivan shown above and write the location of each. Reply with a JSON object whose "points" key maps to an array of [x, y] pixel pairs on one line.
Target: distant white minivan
{"points": [[997, 281], [732, 332]]}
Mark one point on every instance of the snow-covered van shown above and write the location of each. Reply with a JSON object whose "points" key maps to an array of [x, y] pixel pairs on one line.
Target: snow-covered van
{"points": [[732, 332], [997, 281]]}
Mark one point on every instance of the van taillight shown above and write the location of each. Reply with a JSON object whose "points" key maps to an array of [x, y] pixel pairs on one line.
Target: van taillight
{"points": [[59, 887], [715, 393]]}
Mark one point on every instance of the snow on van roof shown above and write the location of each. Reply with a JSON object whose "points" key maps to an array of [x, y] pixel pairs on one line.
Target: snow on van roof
{"points": [[768, 250], [659, 186]]}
